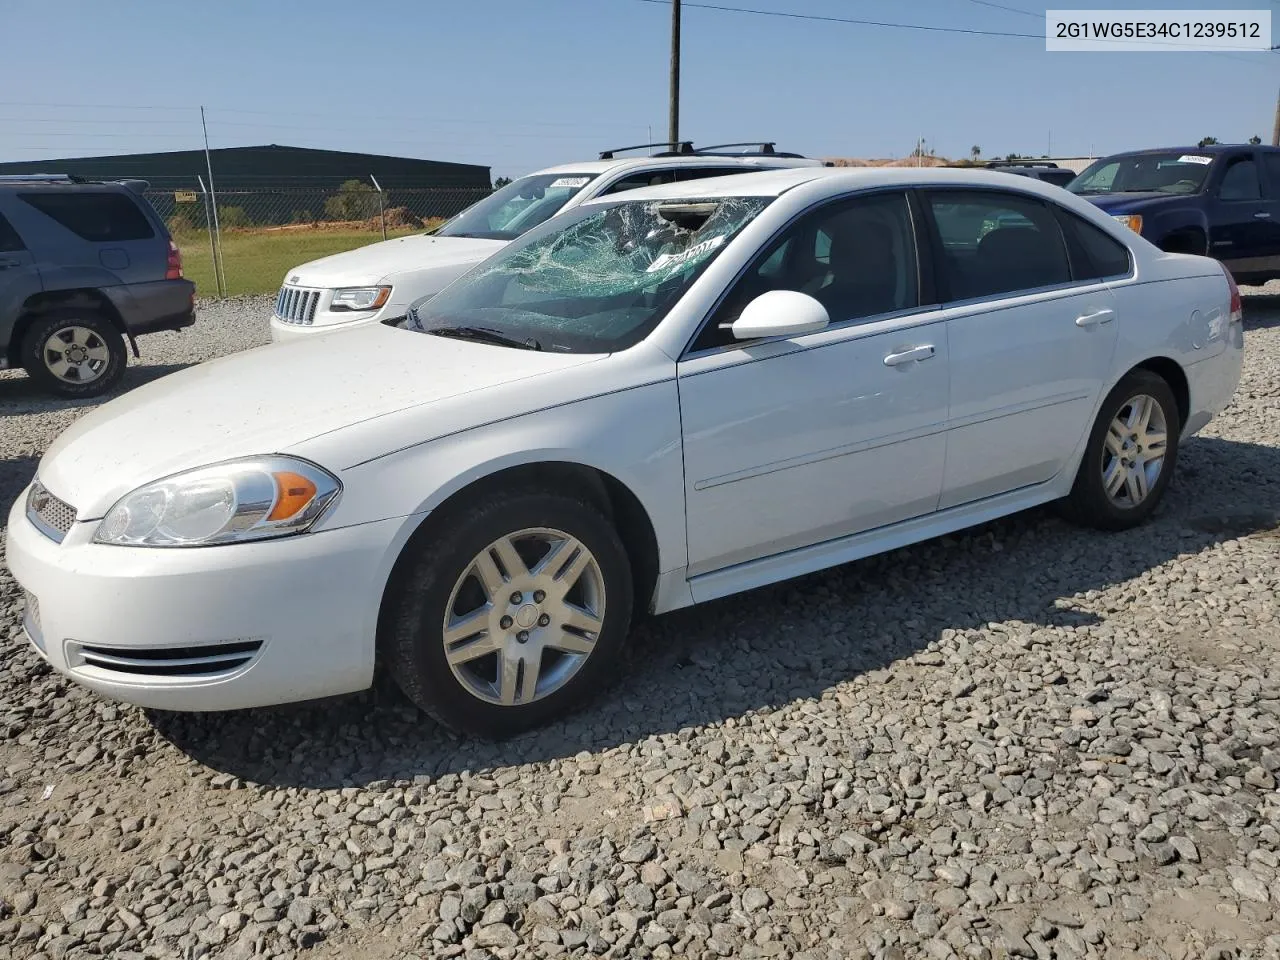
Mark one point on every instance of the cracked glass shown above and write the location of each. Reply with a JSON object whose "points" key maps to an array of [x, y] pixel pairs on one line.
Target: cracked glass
{"points": [[595, 280]]}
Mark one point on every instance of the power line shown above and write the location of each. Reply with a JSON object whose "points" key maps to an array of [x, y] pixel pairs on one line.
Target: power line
{"points": [[192, 110], [852, 20], [724, 8], [1001, 6]]}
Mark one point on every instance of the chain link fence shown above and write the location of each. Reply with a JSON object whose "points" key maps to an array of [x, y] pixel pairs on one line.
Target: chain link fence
{"points": [[242, 242]]}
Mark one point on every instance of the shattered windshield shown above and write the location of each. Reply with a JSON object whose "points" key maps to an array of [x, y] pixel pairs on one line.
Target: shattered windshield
{"points": [[1144, 173], [519, 206], [596, 280]]}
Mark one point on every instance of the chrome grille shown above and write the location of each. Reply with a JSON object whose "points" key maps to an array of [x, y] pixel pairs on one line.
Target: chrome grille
{"points": [[296, 305], [48, 514], [201, 661]]}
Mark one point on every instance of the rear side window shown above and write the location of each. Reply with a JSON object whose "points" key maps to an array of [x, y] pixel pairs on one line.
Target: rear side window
{"points": [[10, 242], [1240, 182], [100, 217], [996, 243], [1271, 164], [650, 178], [1094, 255]]}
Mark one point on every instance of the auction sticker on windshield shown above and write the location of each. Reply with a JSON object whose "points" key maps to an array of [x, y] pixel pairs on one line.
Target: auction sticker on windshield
{"points": [[1190, 159], [569, 182]]}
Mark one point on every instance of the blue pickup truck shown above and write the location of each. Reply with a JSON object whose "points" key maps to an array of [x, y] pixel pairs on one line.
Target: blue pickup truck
{"points": [[1222, 201]]}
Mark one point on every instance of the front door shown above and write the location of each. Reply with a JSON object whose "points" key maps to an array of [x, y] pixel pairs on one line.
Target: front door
{"points": [[791, 442], [1032, 332]]}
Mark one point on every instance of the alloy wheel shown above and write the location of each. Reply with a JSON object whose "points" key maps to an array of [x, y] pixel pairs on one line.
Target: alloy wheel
{"points": [[524, 616], [76, 354], [1136, 443]]}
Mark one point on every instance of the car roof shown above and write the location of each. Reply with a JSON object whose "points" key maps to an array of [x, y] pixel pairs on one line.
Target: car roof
{"points": [[774, 183], [754, 161], [1211, 148]]}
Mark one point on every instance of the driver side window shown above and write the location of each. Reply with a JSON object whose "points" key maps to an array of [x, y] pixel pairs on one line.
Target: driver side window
{"points": [[857, 258]]}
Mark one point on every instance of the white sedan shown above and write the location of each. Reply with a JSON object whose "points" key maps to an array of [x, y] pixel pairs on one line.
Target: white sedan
{"points": [[652, 401]]}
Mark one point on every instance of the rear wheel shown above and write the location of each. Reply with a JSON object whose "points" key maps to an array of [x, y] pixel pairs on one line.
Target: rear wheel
{"points": [[513, 613], [1131, 454], [74, 353]]}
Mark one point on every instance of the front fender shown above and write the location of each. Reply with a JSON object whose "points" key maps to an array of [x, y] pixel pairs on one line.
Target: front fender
{"points": [[645, 457], [1162, 222]]}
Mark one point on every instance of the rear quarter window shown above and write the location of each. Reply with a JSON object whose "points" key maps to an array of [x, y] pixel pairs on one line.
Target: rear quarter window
{"points": [[10, 242], [1094, 254], [98, 217]]}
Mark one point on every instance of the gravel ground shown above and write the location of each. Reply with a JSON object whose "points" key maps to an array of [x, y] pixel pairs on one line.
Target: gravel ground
{"points": [[1025, 741]]}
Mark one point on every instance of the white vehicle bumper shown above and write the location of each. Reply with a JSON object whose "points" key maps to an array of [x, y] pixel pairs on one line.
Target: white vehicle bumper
{"points": [[282, 332], [205, 628]]}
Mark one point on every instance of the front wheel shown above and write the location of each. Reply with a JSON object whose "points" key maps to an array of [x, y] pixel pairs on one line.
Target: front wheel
{"points": [[1131, 454], [511, 613]]}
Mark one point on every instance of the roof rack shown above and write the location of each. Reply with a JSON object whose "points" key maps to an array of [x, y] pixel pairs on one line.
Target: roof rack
{"points": [[682, 148], [765, 147], [39, 178], [1029, 162]]}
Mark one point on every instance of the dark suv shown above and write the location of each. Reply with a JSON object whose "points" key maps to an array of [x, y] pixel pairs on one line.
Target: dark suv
{"points": [[1036, 170], [83, 267], [1221, 201]]}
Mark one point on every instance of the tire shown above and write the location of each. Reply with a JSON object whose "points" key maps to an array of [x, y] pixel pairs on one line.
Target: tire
{"points": [[1089, 502], [95, 357], [438, 576]]}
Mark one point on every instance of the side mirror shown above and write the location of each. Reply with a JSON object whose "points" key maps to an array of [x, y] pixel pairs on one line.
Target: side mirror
{"points": [[780, 313]]}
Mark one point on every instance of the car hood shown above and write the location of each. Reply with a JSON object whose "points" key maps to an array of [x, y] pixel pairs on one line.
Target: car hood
{"points": [[380, 261], [269, 400], [1129, 202]]}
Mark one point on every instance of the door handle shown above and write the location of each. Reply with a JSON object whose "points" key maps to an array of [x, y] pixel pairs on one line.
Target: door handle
{"points": [[1096, 318], [909, 355], [5, 263], [1262, 216]]}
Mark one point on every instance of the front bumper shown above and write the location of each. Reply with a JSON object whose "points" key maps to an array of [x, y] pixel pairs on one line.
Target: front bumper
{"points": [[282, 332], [206, 628]]}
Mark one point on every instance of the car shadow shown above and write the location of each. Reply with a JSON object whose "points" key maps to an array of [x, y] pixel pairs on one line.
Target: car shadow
{"points": [[1261, 310], [15, 473], [20, 395], [770, 646]]}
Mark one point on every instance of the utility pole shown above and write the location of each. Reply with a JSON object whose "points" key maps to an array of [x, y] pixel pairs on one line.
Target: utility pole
{"points": [[1275, 132], [219, 276], [674, 124]]}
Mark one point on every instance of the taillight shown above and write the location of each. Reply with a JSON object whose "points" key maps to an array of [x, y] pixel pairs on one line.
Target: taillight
{"points": [[1237, 306], [174, 270]]}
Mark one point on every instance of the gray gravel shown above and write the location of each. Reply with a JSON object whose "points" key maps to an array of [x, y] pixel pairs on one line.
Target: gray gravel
{"points": [[1026, 741]]}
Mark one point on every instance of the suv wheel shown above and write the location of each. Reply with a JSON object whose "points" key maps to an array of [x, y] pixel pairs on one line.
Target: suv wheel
{"points": [[74, 353]]}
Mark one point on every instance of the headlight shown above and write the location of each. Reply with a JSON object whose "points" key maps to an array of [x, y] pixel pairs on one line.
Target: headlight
{"points": [[1131, 220], [230, 502], [360, 298]]}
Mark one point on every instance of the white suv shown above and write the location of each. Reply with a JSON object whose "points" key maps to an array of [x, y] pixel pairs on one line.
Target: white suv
{"points": [[377, 283]]}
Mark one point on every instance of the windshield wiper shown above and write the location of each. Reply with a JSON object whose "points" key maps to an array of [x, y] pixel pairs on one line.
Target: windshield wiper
{"points": [[486, 335]]}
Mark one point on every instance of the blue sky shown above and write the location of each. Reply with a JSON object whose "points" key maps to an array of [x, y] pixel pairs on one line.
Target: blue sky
{"points": [[518, 84]]}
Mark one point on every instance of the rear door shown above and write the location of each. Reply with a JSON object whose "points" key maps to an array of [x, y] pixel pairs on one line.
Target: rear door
{"points": [[1271, 195], [19, 277], [102, 228], [1031, 340], [1243, 231]]}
